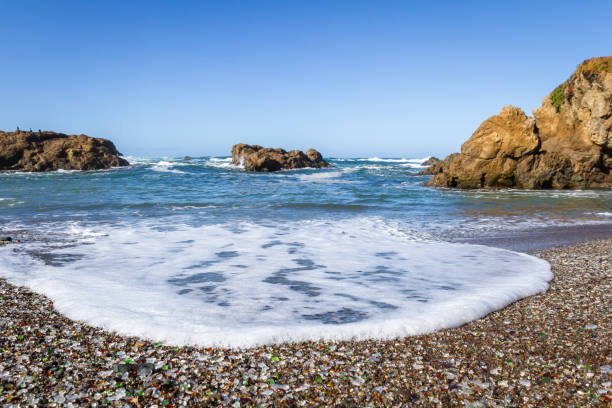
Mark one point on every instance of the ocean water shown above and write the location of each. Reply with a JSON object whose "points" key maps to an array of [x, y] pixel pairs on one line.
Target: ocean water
{"points": [[201, 252]]}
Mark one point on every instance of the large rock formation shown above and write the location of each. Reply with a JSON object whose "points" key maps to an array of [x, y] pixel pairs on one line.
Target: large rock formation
{"points": [[568, 143], [257, 158], [48, 151]]}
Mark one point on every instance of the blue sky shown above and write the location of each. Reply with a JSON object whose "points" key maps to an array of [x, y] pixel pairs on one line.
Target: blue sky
{"points": [[350, 78]]}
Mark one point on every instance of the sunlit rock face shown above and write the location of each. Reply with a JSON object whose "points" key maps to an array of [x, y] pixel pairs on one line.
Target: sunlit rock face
{"points": [[568, 143], [49, 151], [257, 158]]}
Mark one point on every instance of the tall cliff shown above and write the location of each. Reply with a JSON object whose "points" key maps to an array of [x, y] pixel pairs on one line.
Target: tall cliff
{"points": [[568, 143]]}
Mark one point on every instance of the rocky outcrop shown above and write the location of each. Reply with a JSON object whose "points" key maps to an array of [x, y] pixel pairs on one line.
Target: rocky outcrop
{"points": [[6, 241], [257, 158], [433, 164], [568, 143], [48, 151], [431, 161]]}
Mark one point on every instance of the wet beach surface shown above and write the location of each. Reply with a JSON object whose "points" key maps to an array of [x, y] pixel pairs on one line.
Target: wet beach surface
{"points": [[543, 237], [551, 349]]}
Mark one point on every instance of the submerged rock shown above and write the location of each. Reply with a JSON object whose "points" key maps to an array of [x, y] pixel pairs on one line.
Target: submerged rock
{"points": [[568, 143], [258, 158], [48, 151]]}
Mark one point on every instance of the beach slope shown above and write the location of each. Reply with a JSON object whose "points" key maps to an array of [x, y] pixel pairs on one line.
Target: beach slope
{"points": [[551, 349]]}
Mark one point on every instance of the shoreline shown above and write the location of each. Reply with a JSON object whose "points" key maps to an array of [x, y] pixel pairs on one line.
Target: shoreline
{"points": [[542, 238], [550, 349]]}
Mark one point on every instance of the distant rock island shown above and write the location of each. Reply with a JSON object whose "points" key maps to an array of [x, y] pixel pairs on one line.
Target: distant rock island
{"points": [[568, 143], [432, 166], [257, 158], [48, 151], [431, 161]]}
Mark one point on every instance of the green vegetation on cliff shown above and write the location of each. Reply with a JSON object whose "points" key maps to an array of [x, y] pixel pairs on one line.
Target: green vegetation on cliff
{"points": [[558, 96], [587, 68], [595, 66]]}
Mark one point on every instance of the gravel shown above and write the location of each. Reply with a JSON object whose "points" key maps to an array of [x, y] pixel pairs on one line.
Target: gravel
{"points": [[552, 349]]}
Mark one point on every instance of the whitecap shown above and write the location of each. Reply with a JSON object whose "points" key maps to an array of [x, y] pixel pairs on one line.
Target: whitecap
{"points": [[223, 163], [396, 160], [413, 165], [322, 177], [166, 167]]}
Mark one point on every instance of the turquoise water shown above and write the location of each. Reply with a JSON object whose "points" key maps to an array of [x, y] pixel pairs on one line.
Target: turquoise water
{"points": [[201, 252], [209, 190]]}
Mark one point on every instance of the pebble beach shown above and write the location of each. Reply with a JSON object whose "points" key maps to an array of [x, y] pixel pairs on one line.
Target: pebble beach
{"points": [[550, 350]]}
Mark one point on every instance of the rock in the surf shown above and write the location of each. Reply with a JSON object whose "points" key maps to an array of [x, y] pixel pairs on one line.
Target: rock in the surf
{"points": [[48, 151], [431, 161], [7, 240], [433, 166], [568, 143], [258, 158]]}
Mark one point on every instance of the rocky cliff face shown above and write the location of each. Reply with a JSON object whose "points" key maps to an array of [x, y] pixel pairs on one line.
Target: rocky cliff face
{"points": [[48, 151], [568, 143], [257, 158]]}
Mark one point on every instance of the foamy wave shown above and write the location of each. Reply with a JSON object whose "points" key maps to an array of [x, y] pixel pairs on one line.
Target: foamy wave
{"points": [[413, 165], [135, 160], [249, 284], [384, 160], [376, 163], [223, 163], [84, 234], [323, 176], [66, 171], [165, 167], [367, 167]]}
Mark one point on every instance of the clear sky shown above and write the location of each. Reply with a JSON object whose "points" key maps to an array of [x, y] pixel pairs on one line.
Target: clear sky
{"points": [[350, 78]]}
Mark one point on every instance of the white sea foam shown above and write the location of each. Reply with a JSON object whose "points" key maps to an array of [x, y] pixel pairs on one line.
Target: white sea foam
{"points": [[83, 233], [166, 167], [249, 284], [605, 214], [403, 160], [66, 171], [322, 177], [134, 160], [366, 167], [222, 162], [384, 162]]}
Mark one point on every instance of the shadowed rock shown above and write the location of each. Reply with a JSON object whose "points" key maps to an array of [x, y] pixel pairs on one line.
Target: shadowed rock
{"points": [[257, 158], [433, 164], [568, 143], [431, 161], [48, 151]]}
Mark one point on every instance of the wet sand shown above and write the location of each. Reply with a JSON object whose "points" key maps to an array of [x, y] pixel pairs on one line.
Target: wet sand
{"points": [[543, 237]]}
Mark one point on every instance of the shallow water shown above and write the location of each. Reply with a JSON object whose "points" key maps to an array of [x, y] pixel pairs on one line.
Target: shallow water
{"points": [[202, 252]]}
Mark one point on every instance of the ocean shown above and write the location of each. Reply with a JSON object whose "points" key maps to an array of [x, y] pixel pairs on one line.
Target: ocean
{"points": [[201, 252]]}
